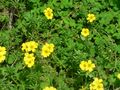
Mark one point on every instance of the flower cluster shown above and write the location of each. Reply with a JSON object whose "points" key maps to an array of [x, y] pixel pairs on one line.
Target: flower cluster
{"points": [[49, 88], [85, 31], [29, 48], [47, 49], [87, 66], [48, 13], [97, 84], [29, 59], [2, 53], [91, 17]]}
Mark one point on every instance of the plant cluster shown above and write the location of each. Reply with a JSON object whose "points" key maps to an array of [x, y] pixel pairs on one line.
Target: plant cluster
{"points": [[59, 45]]}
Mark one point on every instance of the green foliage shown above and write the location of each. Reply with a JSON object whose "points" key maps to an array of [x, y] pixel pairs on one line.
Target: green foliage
{"points": [[61, 69]]}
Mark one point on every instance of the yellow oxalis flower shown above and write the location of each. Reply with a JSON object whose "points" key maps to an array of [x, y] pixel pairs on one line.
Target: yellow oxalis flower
{"points": [[85, 32], [2, 50], [2, 58], [25, 46], [29, 46], [2, 53], [47, 49], [97, 84], [29, 59], [50, 47], [48, 13], [87, 66], [45, 52], [90, 65], [32, 45], [91, 17], [83, 65], [49, 88]]}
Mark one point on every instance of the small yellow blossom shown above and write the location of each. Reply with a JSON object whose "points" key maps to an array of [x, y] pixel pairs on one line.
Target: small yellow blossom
{"points": [[45, 52], [48, 13], [118, 75], [83, 65], [32, 45], [90, 65], [97, 84], [87, 66], [49, 88], [2, 50], [47, 49], [85, 32], [25, 47], [2, 53], [29, 46], [91, 17], [2, 58], [50, 47], [29, 59]]}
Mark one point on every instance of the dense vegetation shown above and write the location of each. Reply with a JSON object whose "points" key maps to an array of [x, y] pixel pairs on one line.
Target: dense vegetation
{"points": [[59, 45]]}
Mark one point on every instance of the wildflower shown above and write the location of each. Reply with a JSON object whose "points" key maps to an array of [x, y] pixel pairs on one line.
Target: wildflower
{"points": [[45, 52], [48, 13], [2, 53], [29, 59], [29, 46], [91, 17], [47, 49], [118, 76], [32, 45], [85, 32], [83, 65], [90, 65], [2, 58], [50, 47], [49, 88], [2, 50], [25, 47], [87, 66], [97, 84]]}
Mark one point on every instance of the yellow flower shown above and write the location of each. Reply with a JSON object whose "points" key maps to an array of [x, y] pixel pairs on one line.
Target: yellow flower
{"points": [[118, 76], [83, 65], [29, 59], [47, 49], [48, 13], [45, 52], [97, 80], [2, 50], [87, 66], [29, 63], [91, 17], [29, 46], [97, 84], [85, 32], [32, 45], [2, 58], [50, 47], [49, 88], [90, 65], [92, 86], [2, 53], [25, 46]]}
